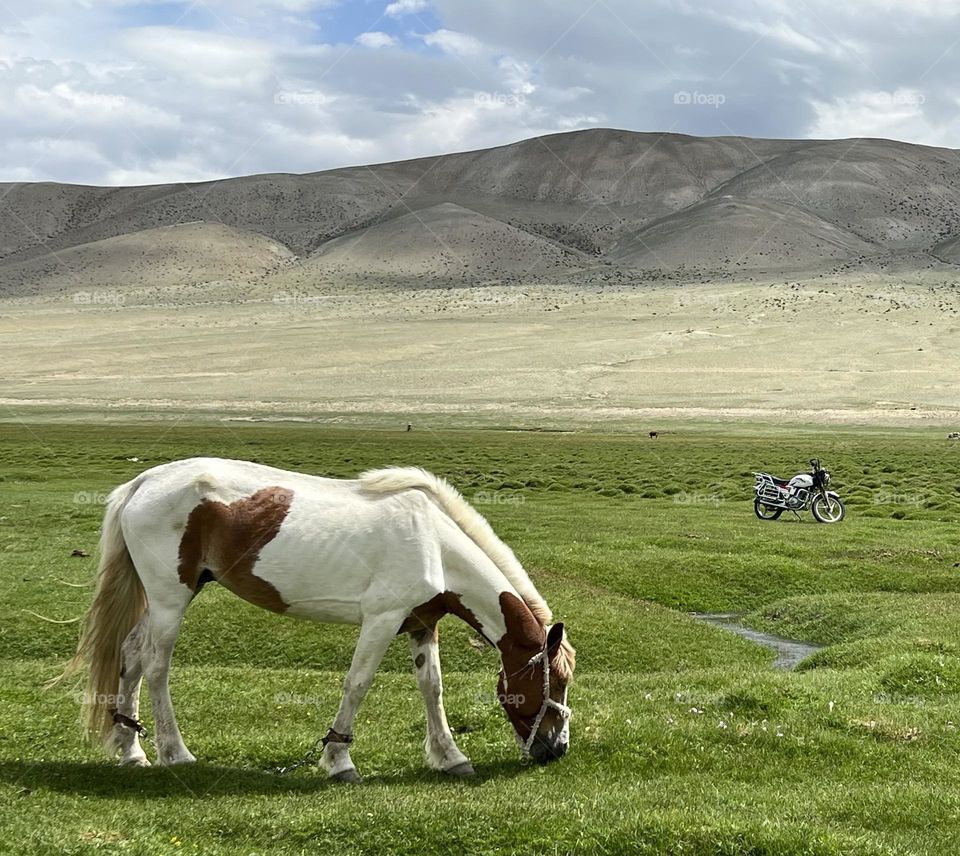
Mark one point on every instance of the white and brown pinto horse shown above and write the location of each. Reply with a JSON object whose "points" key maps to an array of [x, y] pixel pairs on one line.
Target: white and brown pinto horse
{"points": [[393, 551]]}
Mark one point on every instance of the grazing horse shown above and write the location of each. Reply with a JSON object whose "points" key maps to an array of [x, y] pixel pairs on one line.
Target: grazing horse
{"points": [[393, 551]]}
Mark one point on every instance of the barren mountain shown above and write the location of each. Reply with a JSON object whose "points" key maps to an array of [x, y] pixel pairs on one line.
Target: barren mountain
{"points": [[444, 241], [740, 234], [543, 208], [164, 256]]}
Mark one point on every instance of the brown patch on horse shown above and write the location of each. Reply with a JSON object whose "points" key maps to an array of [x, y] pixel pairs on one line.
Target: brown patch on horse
{"points": [[422, 621], [520, 686], [525, 634], [226, 540]]}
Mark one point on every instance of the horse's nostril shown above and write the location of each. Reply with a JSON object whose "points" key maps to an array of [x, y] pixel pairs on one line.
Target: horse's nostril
{"points": [[544, 753]]}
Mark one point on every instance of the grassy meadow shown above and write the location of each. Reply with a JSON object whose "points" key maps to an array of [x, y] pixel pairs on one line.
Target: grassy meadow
{"points": [[684, 739]]}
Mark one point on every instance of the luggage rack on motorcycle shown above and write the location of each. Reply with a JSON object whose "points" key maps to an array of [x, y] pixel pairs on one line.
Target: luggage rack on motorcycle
{"points": [[767, 489]]}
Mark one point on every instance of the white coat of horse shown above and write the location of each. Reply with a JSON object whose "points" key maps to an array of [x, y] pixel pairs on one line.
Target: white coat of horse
{"points": [[392, 551]]}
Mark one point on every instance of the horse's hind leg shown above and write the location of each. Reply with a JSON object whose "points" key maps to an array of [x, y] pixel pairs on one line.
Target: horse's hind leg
{"points": [[376, 633], [126, 738], [442, 752], [162, 627]]}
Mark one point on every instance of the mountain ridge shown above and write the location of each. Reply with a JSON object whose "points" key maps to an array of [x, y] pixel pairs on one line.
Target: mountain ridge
{"points": [[588, 193]]}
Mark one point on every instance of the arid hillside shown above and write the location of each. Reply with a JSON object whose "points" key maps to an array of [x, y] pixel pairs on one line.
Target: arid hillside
{"points": [[587, 205]]}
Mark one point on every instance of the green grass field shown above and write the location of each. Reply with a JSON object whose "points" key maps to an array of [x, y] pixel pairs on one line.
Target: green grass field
{"points": [[684, 739]]}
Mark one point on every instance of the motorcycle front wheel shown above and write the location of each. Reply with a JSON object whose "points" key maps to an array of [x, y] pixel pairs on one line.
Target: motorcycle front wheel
{"points": [[829, 510], [766, 512]]}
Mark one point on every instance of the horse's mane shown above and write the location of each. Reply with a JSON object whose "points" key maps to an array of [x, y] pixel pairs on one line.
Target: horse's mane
{"points": [[473, 524]]}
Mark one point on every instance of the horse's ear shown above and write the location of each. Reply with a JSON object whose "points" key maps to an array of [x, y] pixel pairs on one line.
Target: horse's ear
{"points": [[554, 638]]}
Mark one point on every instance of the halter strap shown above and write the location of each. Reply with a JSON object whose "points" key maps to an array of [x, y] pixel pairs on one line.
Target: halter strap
{"points": [[548, 703]]}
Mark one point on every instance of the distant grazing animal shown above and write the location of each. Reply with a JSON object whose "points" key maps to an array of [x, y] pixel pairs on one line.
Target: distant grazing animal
{"points": [[392, 551], [654, 435], [953, 435]]}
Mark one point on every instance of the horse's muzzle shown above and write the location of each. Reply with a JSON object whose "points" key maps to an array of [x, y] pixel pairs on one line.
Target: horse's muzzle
{"points": [[543, 752]]}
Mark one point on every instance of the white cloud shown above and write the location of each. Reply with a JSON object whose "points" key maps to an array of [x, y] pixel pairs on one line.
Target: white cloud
{"points": [[517, 75], [461, 122], [783, 33], [405, 7], [872, 113], [222, 61], [161, 171], [452, 42], [73, 103], [376, 39], [241, 86], [926, 8]]}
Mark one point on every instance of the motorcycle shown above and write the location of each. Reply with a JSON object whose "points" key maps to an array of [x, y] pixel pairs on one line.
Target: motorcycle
{"points": [[774, 495]]}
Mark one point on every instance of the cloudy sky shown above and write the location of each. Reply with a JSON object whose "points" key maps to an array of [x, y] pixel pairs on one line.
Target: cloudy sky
{"points": [[130, 92]]}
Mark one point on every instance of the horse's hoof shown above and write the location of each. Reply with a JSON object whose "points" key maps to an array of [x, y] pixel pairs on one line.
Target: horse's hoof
{"points": [[178, 760], [349, 775], [461, 771], [135, 762]]}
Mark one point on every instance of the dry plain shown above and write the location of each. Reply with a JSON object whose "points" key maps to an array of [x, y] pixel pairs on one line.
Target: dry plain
{"points": [[854, 349]]}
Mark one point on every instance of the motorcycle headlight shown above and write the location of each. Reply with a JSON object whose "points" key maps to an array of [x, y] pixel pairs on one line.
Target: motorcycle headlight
{"points": [[826, 477]]}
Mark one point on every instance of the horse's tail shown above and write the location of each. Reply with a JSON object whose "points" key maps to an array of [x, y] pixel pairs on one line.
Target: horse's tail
{"points": [[118, 604], [473, 524]]}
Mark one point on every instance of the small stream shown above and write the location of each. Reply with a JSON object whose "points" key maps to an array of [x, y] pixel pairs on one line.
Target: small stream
{"points": [[789, 651]]}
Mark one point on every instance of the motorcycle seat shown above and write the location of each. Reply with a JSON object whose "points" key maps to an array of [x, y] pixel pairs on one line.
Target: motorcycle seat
{"points": [[780, 481]]}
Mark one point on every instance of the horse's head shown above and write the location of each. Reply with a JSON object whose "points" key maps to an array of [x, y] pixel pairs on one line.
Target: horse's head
{"points": [[533, 691]]}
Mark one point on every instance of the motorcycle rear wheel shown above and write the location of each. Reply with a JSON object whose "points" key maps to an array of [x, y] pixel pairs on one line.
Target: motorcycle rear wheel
{"points": [[831, 511], [766, 512]]}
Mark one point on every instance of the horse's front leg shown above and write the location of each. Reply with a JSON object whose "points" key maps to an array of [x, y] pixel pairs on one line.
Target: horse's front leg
{"points": [[441, 750], [376, 633]]}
